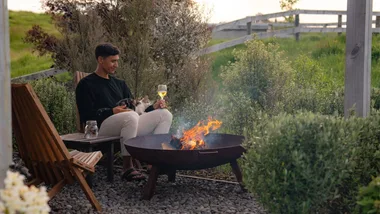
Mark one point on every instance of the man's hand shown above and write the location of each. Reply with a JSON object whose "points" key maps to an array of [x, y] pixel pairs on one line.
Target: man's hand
{"points": [[120, 109], [159, 104]]}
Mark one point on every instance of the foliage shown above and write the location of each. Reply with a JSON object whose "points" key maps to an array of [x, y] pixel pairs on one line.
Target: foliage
{"points": [[287, 4], [296, 164], [19, 198], [309, 163], [58, 102], [158, 40], [260, 73], [313, 90], [369, 198]]}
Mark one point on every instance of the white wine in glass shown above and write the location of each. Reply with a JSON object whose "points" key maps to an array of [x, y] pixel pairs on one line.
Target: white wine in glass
{"points": [[162, 90]]}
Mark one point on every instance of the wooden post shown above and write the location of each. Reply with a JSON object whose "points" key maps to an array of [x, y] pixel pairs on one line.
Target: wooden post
{"points": [[358, 57], [249, 28], [297, 24], [340, 23], [5, 95]]}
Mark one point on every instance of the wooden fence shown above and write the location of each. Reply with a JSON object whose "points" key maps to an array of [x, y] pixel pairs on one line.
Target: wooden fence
{"points": [[295, 28], [287, 29]]}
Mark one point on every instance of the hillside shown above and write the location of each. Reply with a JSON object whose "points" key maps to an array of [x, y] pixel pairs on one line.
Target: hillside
{"points": [[23, 61]]}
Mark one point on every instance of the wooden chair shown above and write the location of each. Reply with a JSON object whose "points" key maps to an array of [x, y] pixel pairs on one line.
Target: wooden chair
{"points": [[77, 77], [42, 150]]}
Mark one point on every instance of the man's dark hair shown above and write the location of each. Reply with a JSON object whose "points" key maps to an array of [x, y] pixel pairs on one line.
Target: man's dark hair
{"points": [[105, 50]]}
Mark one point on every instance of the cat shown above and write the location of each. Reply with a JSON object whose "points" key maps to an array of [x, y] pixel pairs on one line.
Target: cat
{"points": [[142, 104]]}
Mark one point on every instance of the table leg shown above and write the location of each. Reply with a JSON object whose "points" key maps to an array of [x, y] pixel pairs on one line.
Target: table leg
{"points": [[110, 158], [151, 184]]}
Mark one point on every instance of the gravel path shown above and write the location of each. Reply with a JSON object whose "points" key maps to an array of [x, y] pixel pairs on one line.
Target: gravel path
{"points": [[186, 195]]}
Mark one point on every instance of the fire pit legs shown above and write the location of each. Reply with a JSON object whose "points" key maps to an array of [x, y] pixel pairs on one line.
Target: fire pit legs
{"points": [[236, 170], [151, 184], [171, 176]]}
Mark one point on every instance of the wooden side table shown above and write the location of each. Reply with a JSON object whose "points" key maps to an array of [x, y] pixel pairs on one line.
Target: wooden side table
{"points": [[104, 143]]}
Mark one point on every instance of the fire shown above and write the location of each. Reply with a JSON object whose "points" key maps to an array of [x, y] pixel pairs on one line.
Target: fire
{"points": [[193, 138]]}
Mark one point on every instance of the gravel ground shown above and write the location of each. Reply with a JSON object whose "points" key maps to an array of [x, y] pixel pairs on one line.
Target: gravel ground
{"points": [[186, 195]]}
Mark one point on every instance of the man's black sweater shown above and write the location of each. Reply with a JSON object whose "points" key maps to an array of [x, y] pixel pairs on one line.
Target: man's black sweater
{"points": [[97, 96]]}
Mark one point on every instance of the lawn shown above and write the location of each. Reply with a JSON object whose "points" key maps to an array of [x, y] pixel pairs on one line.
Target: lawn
{"points": [[23, 60]]}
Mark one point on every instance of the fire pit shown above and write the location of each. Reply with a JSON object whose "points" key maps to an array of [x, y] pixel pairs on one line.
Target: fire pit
{"points": [[155, 150]]}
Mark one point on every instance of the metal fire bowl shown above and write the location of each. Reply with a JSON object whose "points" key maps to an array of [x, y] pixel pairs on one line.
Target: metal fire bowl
{"points": [[220, 149]]}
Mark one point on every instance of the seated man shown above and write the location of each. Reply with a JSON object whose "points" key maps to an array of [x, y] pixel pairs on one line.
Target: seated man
{"points": [[96, 98]]}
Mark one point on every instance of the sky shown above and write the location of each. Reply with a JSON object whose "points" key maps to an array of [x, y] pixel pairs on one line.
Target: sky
{"points": [[229, 10]]}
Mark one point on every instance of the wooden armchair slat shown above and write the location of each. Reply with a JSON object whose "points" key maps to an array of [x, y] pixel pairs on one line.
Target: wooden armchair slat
{"points": [[42, 149]]}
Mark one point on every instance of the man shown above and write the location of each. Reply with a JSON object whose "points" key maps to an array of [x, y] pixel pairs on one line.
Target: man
{"points": [[96, 98]]}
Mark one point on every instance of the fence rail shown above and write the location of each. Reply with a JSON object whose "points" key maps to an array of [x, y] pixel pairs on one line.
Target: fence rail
{"points": [[39, 75], [290, 29]]}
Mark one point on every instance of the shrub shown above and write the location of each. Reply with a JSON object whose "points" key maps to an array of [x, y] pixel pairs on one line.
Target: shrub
{"points": [[375, 52], [295, 163], [58, 102], [369, 198], [309, 163], [313, 90], [260, 72]]}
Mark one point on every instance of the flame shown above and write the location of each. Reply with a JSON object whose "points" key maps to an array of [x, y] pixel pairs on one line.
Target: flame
{"points": [[193, 138]]}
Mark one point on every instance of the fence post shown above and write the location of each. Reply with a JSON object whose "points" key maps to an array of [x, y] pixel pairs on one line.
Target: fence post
{"points": [[297, 24], [340, 23], [249, 28]]}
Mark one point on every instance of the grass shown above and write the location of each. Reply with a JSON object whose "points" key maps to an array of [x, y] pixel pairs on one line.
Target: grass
{"points": [[23, 60], [327, 49]]}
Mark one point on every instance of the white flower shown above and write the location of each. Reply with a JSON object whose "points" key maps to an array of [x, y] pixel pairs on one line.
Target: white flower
{"points": [[19, 198]]}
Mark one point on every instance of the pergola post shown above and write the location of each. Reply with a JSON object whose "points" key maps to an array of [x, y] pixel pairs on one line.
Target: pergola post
{"points": [[5, 95], [358, 57]]}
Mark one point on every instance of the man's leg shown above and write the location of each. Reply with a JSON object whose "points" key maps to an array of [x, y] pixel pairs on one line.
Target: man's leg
{"points": [[155, 122], [124, 125]]}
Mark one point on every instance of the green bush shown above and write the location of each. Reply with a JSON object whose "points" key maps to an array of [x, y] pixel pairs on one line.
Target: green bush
{"points": [[58, 102], [309, 163], [261, 73], [369, 198], [375, 52], [295, 163], [313, 90]]}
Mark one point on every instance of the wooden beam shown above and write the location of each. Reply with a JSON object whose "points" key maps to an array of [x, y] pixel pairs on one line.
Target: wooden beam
{"points": [[5, 95], [39, 75], [243, 39], [358, 57], [253, 19]]}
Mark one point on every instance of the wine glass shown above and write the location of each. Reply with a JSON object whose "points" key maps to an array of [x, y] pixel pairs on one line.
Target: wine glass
{"points": [[162, 90]]}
